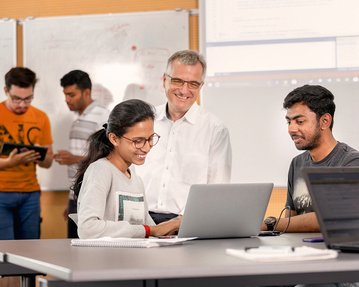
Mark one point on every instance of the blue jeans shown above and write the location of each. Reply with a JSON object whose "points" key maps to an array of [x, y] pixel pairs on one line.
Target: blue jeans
{"points": [[19, 215]]}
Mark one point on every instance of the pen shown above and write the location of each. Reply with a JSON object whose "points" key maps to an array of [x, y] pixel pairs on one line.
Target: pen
{"points": [[313, 239]]}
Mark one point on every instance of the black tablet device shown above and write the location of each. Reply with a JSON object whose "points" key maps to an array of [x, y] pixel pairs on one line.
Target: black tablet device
{"points": [[7, 147]]}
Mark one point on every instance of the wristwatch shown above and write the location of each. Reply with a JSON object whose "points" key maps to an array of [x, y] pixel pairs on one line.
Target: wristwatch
{"points": [[270, 222]]}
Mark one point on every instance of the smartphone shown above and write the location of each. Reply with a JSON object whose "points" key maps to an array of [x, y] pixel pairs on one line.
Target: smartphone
{"points": [[7, 148], [313, 239]]}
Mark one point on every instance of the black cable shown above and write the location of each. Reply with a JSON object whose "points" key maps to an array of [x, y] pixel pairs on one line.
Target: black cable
{"points": [[279, 218], [289, 216], [280, 215]]}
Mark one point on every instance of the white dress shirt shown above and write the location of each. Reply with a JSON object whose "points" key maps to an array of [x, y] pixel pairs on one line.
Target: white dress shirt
{"points": [[194, 149]]}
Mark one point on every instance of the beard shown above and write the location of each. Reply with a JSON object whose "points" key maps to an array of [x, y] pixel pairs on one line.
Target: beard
{"points": [[312, 142]]}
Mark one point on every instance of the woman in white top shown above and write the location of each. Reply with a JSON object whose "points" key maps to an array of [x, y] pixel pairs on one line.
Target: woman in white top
{"points": [[110, 196]]}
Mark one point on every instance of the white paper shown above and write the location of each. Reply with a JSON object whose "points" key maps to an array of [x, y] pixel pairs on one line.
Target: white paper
{"points": [[129, 242], [284, 253]]}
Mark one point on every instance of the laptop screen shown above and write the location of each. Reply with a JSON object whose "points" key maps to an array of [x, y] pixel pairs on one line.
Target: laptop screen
{"points": [[335, 197]]}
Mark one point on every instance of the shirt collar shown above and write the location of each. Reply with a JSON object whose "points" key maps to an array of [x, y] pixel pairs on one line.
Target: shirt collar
{"points": [[191, 115], [89, 108], [161, 112]]}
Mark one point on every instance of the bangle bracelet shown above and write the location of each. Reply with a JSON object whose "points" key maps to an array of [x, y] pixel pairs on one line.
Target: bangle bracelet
{"points": [[148, 230]]}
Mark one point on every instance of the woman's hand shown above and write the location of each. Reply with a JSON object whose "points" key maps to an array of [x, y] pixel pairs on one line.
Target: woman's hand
{"points": [[166, 228]]}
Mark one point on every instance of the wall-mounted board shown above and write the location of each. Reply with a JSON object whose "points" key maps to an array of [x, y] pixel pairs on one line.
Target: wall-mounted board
{"points": [[125, 55]]}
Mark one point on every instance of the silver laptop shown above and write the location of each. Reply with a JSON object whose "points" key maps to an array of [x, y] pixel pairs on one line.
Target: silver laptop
{"points": [[225, 210], [335, 196]]}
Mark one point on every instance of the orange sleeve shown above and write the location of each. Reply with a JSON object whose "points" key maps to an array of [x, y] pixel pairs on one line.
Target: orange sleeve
{"points": [[46, 138]]}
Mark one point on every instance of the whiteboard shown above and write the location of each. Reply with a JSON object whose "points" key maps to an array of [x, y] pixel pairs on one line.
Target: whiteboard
{"points": [[124, 54], [257, 54], [262, 149], [7, 49]]}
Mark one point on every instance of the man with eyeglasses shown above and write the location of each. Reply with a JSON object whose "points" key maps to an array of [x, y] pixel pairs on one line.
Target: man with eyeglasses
{"points": [[21, 123], [194, 147], [77, 87]]}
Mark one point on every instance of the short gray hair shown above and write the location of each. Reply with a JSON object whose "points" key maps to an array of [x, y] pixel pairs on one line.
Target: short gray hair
{"points": [[188, 57]]}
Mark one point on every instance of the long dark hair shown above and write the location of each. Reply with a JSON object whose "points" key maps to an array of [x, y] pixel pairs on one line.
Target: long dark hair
{"points": [[123, 116]]}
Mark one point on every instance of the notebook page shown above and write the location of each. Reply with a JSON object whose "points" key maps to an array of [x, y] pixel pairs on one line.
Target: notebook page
{"points": [[128, 242]]}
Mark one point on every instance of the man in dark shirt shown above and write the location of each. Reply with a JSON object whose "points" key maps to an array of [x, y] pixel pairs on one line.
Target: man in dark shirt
{"points": [[310, 116]]}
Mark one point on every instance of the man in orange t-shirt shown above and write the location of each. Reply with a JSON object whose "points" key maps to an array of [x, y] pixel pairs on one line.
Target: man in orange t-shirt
{"points": [[21, 123]]}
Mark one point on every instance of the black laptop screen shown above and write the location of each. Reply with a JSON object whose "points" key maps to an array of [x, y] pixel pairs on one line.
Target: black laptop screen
{"points": [[335, 196]]}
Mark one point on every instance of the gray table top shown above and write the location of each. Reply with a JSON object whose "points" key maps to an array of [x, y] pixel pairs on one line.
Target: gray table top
{"points": [[194, 259]]}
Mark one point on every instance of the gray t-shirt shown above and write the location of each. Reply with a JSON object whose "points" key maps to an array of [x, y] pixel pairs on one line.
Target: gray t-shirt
{"points": [[298, 198]]}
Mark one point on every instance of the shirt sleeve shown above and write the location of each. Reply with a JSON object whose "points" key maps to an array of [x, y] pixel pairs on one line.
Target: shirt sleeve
{"points": [[290, 187], [353, 161], [220, 158], [46, 138], [102, 119], [148, 218]]}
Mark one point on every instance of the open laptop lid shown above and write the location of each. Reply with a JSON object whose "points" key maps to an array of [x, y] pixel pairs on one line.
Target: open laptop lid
{"points": [[225, 210], [335, 196]]}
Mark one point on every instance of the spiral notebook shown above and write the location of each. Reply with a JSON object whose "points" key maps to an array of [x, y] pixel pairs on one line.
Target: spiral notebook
{"points": [[129, 242]]}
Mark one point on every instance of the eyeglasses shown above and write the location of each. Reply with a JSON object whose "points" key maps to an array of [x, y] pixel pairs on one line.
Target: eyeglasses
{"points": [[194, 85], [18, 100], [140, 142]]}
